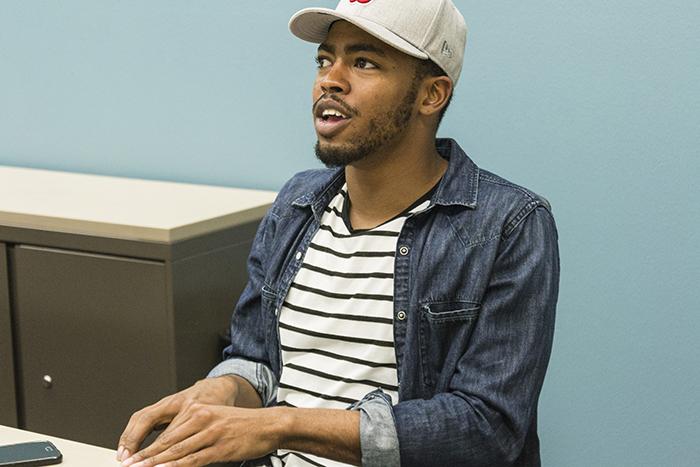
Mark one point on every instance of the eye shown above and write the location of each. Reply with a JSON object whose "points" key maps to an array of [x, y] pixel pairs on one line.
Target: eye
{"points": [[364, 64], [322, 62]]}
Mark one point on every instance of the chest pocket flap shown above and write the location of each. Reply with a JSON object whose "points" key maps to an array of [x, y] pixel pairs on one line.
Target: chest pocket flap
{"points": [[449, 311]]}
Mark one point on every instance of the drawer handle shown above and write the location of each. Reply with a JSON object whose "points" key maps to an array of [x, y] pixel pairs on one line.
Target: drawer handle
{"points": [[48, 381]]}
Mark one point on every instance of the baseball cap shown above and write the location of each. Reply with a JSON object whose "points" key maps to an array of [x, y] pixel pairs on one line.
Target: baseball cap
{"points": [[425, 29]]}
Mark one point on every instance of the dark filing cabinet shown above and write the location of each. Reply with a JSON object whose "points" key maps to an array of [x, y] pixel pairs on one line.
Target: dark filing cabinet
{"points": [[113, 293]]}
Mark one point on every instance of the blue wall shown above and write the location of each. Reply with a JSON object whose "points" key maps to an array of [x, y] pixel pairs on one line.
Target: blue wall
{"points": [[594, 104]]}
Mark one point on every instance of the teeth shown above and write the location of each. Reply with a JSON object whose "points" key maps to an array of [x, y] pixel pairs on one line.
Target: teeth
{"points": [[332, 113]]}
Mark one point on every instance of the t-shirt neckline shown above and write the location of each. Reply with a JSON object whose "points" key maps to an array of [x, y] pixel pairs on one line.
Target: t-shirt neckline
{"points": [[345, 212]]}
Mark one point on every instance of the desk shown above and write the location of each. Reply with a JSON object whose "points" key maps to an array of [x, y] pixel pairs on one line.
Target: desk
{"points": [[74, 454]]}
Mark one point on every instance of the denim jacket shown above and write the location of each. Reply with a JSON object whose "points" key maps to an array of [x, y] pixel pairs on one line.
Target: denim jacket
{"points": [[475, 288]]}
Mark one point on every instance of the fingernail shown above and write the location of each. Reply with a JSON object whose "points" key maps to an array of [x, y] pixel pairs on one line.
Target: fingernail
{"points": [[140, 464], [128, 462], [119, 453]]}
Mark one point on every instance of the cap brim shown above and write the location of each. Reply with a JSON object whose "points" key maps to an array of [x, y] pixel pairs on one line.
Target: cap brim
{"points": [[312, 25]]}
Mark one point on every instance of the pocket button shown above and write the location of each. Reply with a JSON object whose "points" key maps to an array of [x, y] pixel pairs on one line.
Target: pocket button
{"points": [[401, 315]]}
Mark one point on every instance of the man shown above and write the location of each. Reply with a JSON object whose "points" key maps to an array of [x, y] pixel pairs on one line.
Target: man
{"points": [[403, 283]]}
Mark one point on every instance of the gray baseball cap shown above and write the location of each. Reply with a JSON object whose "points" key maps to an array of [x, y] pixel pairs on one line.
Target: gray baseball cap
{"points": [[425, 29]]}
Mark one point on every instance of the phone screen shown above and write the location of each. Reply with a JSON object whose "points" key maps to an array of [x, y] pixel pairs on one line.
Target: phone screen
{"points": [[30, 454]]}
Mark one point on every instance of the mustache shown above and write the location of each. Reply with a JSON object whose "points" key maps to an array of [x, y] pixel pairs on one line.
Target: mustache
{"points": [[347, 108]]}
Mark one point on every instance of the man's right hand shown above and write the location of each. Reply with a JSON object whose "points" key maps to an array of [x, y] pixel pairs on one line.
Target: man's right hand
{"points": [[224, 390]]}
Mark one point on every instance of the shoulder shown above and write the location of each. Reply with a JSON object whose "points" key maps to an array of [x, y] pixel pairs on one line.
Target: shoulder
{"points": [[302, 188], [506, 202], [494, 205]]}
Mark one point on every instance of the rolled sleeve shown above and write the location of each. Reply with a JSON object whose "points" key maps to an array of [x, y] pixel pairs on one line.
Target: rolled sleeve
{"points": [[257, 374], [379, 441]]}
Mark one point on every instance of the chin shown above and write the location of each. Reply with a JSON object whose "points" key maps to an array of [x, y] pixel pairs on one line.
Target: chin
{"points": [[338, 154]]}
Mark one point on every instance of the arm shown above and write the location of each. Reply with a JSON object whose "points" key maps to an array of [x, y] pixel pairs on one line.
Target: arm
{"points": [[329, 433], [484, 418], [202, 434], [245, 381]]}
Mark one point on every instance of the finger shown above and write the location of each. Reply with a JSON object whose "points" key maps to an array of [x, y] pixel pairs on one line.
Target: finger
{"points": [[176, 432], [196, 459], [175, 421], [179, 451], [133, 435], [140, 424]]}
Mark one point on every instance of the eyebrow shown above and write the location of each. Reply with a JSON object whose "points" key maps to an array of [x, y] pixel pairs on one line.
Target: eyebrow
{"points": [[353, 48]]}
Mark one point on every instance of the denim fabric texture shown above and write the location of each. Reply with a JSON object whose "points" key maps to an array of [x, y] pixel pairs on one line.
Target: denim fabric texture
{"points": [[475, 289]]}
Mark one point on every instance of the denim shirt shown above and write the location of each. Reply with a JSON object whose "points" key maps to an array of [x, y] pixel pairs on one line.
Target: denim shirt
{"points": [[475, 288]]}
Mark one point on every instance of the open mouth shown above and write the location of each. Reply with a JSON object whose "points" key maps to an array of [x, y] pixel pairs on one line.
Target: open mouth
{"points": [[333, 116], [331, 121]]}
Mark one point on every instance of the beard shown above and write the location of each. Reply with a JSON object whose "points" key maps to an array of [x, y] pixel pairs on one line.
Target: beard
{"points": [[382, 130]]}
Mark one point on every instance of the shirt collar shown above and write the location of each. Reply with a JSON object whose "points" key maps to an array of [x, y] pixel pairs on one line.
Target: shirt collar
{"points": [[458, 186]]}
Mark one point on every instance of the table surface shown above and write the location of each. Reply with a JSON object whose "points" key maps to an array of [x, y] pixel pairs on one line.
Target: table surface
{"points": [[74, 454], [126, 208]]}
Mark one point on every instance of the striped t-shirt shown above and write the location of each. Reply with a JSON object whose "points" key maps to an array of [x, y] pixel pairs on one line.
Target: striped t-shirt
{"points": [[336, 323]]}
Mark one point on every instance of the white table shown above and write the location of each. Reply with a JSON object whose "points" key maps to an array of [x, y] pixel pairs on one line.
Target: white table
{"points": [[74, 454]]}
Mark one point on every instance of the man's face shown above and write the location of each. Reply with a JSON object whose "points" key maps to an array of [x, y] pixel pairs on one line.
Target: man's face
{"points": [[364, 95]]}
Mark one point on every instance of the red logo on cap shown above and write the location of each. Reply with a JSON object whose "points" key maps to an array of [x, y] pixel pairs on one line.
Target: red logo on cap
{"points": [[360, 1]]}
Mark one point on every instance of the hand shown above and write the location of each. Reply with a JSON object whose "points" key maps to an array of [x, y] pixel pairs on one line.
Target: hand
{"points": [[217, 391], [202, 434]]}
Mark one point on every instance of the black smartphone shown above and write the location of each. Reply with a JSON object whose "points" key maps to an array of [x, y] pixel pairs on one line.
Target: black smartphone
{"points": [[30, 454]]}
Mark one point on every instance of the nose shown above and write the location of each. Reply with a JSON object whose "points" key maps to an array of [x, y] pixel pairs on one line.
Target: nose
{"points": [[334, 81]]}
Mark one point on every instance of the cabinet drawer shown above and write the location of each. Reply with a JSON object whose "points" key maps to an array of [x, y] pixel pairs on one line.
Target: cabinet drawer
{"points": [[93, 340]]}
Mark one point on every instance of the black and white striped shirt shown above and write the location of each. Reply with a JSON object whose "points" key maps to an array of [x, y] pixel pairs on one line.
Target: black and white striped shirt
{"points": [[336, 323]]}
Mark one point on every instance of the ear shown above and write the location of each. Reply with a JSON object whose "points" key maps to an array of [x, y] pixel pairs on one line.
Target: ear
{"points": [[436, 92]]}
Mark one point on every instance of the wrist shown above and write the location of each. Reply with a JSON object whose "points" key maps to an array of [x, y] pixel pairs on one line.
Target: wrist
{"points": [[282, 422], [227, 387], [331, 433]]}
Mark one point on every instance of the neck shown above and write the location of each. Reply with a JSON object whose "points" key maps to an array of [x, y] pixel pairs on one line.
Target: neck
{"points": [[385, 183]]}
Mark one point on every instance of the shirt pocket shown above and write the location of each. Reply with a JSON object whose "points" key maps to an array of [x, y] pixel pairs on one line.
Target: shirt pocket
{"points": [[445, 330], [449, 312]]}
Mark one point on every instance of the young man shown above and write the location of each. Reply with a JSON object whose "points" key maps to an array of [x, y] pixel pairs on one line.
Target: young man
{"points": [[403, 283]]}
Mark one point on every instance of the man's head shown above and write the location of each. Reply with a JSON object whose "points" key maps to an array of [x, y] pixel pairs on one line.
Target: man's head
{"points": [[386, 70]]}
